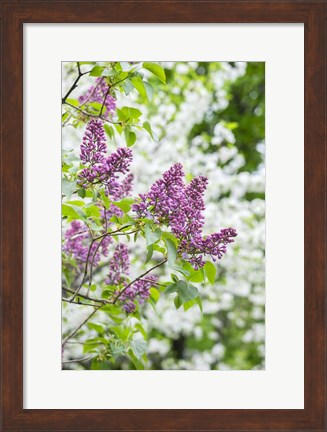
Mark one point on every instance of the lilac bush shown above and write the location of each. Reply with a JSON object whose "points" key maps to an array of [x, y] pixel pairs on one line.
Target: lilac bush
{"points": [[106, 219]]}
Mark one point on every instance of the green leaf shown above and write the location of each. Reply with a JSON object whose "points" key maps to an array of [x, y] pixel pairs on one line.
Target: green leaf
{"points": [[91, 345], [151, 236], [171, 236], [68, 187], [127, 86], [128, 114], [148, 128], [149, 254], [105, 199], [156, 69], [125, 204], [188, 305], [160, 249], [121, 332], [171, 288], [178, 302], [97, 327], [186, 291], [71, 212], [81, 192], [181, 270], [137, 363], [149, 89], [96, 107], [97, 71], [210, 271], [109, 131], [73, 102], [154, 294], [138, 347], [109, 73], [199, 303], [93, 211], [171, 251], [139, 85], [130, 137], [194, 275], [118, 128]]}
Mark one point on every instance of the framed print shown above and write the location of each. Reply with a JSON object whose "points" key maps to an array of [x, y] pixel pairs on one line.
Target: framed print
{"points": [[163, 215]]}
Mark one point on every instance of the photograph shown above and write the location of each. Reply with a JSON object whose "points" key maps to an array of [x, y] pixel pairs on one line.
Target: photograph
{"points": [[163, 215]]}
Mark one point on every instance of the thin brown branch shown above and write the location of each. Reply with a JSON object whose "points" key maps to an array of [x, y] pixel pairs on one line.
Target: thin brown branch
{"points": [[96, 308], [112, 232], [85, 271], [78, 360], [92, 264], [74, 85], [104, 100], [77, 302], [85, 297], [87, 114], [138, 278]]}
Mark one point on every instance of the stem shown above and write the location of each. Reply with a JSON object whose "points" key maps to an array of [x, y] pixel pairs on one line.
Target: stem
{"points": [[91, 115], [138, 278], [77, 302], [86, 297], [78, 360], [112, 232], [85, 271], [104, 100], [74, 85], [92, 263], [81, 325]]}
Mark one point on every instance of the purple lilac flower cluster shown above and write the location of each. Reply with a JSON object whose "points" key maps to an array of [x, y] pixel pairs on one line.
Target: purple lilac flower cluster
{"points": [[97, 93], [118, 270], [181, 206], [101, 168], [119, 266], [138, 290], [93, 147], [77, 240]]}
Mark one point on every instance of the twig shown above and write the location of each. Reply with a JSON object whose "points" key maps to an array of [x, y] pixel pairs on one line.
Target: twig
{"points": [[92, 263], [102, 301], [96, 308], [90, 114], [138, 278], [78, 360], [104, 101], [80, 74], [112, 232], [77, 302], [155, 283], [85, 271]]}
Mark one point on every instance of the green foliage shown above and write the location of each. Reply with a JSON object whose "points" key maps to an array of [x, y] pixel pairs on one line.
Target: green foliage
{"points": [[156, 69]]}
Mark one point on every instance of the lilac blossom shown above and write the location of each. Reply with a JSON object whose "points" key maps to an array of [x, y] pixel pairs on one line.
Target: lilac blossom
{"points": [[104, 169], [93, 147], [119, 265], [77, 244], [181, 207], [98, 93], [125, 187], [139, 290]]}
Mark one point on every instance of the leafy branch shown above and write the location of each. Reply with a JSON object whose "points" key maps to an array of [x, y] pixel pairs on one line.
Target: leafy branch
{"points": [[74, 85]]}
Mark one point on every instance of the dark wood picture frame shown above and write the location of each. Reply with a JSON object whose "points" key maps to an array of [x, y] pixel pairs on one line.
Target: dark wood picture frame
{"points": [[14, 15]]}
